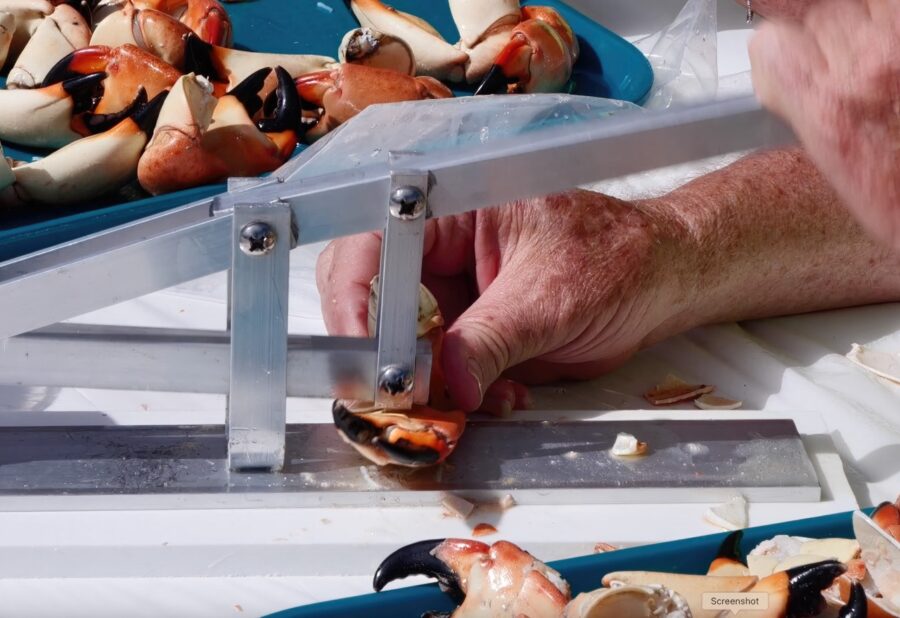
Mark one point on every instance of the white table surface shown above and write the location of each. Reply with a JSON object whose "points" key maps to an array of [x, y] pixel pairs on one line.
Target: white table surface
{"points": [[257, 560]]}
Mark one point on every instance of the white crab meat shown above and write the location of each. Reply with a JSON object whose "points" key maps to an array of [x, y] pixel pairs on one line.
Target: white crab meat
{"points": [[627, 445]]}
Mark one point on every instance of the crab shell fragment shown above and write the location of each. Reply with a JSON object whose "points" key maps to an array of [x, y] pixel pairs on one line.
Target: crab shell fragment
{"points": [[630, 601]]}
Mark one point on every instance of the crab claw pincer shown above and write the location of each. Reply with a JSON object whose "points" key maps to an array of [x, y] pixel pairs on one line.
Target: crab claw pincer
{"points": [[200, 140], [128, 70], [539, 56], [48, 117], [728, 559], [500, 580], [59, 33], [421, 436], [87, 168], [348, 89]]}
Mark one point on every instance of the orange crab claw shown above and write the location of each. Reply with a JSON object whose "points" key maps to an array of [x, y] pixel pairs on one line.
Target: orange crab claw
{"points": [[207, 18], [480, 577], [129, 69], [418, 437], [200, 140], [536, 59], [347, 90], [552, 18], [147, 28]]}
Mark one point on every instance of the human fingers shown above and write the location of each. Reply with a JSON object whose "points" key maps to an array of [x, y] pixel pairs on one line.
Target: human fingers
{"points": [[343, 273]]}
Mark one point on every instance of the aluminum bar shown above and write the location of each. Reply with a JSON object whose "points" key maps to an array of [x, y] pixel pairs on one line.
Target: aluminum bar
{"points": [[263, 239], [398, 296], [185, 361], [140, 258]]}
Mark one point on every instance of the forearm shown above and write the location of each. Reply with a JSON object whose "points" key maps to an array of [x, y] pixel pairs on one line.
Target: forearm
{"points": [[768, 236]]}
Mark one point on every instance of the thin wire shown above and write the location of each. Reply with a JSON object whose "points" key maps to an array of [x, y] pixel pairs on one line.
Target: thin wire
{"points": [[750, 13]]}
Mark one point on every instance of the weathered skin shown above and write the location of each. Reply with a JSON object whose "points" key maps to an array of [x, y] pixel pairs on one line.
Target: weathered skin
{"points": [[347, 90], [60, 33]]}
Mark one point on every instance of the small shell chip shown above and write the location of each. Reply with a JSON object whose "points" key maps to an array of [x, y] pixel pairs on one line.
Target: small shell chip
{"points": [[880, 363], [731, 515], [675, 390], [483, 529], [627, 445], [714, 402]]}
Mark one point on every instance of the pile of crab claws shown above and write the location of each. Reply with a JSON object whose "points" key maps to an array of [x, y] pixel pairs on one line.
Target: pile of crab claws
{"points": [[418, 559]]}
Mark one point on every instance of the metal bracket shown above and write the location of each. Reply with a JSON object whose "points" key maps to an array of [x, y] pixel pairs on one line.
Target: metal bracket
{"points": [[259, 302], [398, 294]]}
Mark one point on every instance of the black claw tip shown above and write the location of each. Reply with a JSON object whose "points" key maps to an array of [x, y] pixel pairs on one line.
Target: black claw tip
{"points": [[354, 427], [85, 90], [98, 123], [282, 108], [857, 605], [247, 92], [418, 559], [146, 115], [198, 58], [806, 584], [495, 82], [59, 72], [731, 546]]}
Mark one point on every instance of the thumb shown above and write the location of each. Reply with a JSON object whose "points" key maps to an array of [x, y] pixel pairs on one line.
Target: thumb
{"points": [[499, 330]]}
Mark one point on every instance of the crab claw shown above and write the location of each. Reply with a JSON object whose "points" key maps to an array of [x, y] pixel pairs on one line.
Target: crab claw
{"points": [[418, 437], [374, 49], [434, 56], [151, 30], [47, 117], [797, 592], [728, 561], [887, 516], [497, 580], [857, 605], [88, 168], [128, 70], [199, 140], [536, 59], [420, 559], [209, 21], [475, 18], [19, 20], [347, 90], [628, 601], [232, 66], [61, 32]]}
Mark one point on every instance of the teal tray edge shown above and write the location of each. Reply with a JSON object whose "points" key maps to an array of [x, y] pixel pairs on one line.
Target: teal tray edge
{"points": [[627, 75], [691, 555]]}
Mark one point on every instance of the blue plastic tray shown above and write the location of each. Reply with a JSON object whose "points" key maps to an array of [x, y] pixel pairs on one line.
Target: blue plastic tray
{"points": [[583, 574], [307, 26]]}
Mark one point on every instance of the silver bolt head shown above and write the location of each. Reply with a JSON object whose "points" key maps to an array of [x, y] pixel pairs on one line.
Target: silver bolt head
{"points": [[407, 202], [258, 238], [395, 380]]}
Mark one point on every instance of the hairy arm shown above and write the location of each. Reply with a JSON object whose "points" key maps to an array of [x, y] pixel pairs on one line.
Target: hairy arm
{"points": [[769, 236]]}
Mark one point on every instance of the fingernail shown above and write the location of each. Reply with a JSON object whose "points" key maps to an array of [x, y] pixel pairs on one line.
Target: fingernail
{"points": [[475, 372]]}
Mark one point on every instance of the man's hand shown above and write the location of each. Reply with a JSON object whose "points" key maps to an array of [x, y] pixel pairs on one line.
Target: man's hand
{"points": [[578, 282], [835, 76]]}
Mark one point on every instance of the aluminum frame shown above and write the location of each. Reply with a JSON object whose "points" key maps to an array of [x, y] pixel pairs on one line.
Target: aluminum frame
{"points": [[201, 238]]}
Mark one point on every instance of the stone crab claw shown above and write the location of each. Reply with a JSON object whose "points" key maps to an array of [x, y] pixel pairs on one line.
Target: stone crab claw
{"points": [[153, 31], [48, 117], [727, 561], [19, 20], [200, 140], [500, 580], [418, 437], [539, 56], [434, 56], [60, 33], [206, 18], [372, 48], [343, 92], [129, 70], [87, 168], [226, 68]]}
